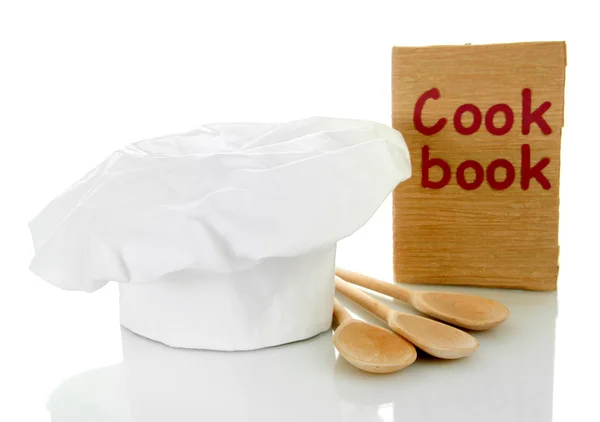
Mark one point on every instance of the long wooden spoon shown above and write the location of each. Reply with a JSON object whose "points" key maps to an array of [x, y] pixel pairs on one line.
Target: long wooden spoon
{"points": [[437, 339], [468, 311], [369, 347]]}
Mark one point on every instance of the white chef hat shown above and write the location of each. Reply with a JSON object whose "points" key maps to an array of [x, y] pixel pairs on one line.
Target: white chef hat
{"points": [[223, 237]]}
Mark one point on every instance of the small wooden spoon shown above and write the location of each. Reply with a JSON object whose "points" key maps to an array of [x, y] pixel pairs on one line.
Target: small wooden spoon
{"points": [[437, 339], [369, 347], [468, 311]]}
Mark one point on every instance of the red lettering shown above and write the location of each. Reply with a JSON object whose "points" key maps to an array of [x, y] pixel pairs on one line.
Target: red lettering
{"points": [[536, 117], [460, 175], [528, 172], [427, 163], [509, 119], [434, 94], [491, 174], [458, 125]]}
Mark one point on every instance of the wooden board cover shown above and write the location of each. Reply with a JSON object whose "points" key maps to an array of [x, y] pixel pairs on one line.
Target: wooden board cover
{"points": [[483, 124]]}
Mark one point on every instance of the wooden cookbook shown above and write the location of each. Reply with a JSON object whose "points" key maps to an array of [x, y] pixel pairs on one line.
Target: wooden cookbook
{"points": [[483, 124]]}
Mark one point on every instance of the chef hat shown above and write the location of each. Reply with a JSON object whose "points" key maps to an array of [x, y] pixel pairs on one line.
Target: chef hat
{"points": [[223, 237]]}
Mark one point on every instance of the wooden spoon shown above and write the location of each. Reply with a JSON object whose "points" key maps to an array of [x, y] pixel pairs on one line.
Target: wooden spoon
{"points": [[437, 339], [468, 311], [369, 347]]}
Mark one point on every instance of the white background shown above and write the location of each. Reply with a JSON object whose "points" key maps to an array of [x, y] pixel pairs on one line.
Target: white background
{"points": [[81, 79]]}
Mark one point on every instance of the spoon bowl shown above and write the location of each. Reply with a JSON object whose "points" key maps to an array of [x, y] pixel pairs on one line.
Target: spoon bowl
{"points": [[372, 348], [468, 311], [369, 347], [437, 339]]}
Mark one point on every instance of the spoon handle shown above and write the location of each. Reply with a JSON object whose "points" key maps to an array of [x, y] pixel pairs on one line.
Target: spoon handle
{"points": [[374, 306], [339, 312], [370, 283]]}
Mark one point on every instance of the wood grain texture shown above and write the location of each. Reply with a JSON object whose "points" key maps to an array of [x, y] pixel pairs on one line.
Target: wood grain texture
{"points": [[486, 237]]}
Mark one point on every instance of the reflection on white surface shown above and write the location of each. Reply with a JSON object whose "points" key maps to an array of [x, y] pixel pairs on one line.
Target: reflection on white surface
{"points": [[508, 378]]}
